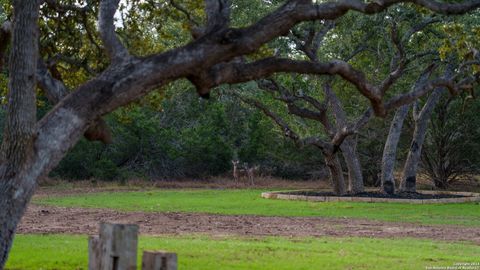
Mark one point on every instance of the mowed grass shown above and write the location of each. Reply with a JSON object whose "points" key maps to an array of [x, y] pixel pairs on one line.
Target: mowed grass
{"points": [[199, 252], [249, 202]]}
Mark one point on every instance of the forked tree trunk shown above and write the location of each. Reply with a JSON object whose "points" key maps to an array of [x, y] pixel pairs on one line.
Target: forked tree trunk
{"points": [[336, 174], [355, 177], [409, 174], [348, 146], [17, 149], [390, 150]]}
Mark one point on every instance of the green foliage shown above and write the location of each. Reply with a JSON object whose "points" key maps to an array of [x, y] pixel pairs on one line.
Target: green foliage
{"points": [[3, 14], [176, 134], [249, 202], [462, 38], [453, 142]]}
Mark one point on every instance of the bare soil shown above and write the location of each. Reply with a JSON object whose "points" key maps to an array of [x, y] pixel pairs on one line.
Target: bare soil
{"points": [[49, 219]]}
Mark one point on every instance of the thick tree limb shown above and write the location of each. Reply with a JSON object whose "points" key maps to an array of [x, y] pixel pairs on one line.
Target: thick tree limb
{"points": [[241, 72], [218, 15], [341, 116], [339, 113], [418, 90], [363, 120], [55, 91], [424, 86], [112, 44]]}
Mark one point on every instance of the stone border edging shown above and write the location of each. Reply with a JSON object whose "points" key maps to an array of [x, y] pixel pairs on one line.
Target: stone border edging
{"points": [[470, 197]]}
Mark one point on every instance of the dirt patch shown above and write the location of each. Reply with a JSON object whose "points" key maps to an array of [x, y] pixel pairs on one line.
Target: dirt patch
{"points": [[48, 219]]}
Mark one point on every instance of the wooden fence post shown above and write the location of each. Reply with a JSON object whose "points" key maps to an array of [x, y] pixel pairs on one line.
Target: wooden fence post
{"points": [[94, 252], [159, 260], [115, 248]]}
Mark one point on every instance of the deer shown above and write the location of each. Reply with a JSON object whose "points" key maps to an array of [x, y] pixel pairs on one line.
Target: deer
{"points": [[237, 171], [246, 171], [251, 172]]}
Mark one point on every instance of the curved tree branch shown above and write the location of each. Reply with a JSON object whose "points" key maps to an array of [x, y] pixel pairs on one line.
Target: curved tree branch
{"points": [[218, 15], [55, 91], [112, 44]]}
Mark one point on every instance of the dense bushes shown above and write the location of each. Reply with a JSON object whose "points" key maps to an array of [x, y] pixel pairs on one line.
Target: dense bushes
{"points": [[453, 142], [185, 136]]}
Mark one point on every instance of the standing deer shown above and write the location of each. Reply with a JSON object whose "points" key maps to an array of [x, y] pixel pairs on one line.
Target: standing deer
{"points": [[246, 171], [236, 175], [251, 173]]}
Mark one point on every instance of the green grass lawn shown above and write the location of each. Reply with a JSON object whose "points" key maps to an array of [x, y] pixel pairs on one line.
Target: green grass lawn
{"points": [[249, 202], [70, 252]]}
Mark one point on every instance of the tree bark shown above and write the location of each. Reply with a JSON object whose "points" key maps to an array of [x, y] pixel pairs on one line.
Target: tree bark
{"points": [[390, 150], [17, 149], [409, 174], [348, 146], [336, 174], [355, 177], [55, 91]]}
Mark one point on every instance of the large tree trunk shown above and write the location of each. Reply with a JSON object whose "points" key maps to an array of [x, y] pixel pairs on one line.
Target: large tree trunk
{"points": [[390, 150], [336, 174], [17, 149], [348, 146], [355, 177], [409, 174]]}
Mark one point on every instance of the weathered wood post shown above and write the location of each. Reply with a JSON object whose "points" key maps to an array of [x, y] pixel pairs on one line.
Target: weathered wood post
{"points": [[115, 248], [159, 260], [94, 252]]}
